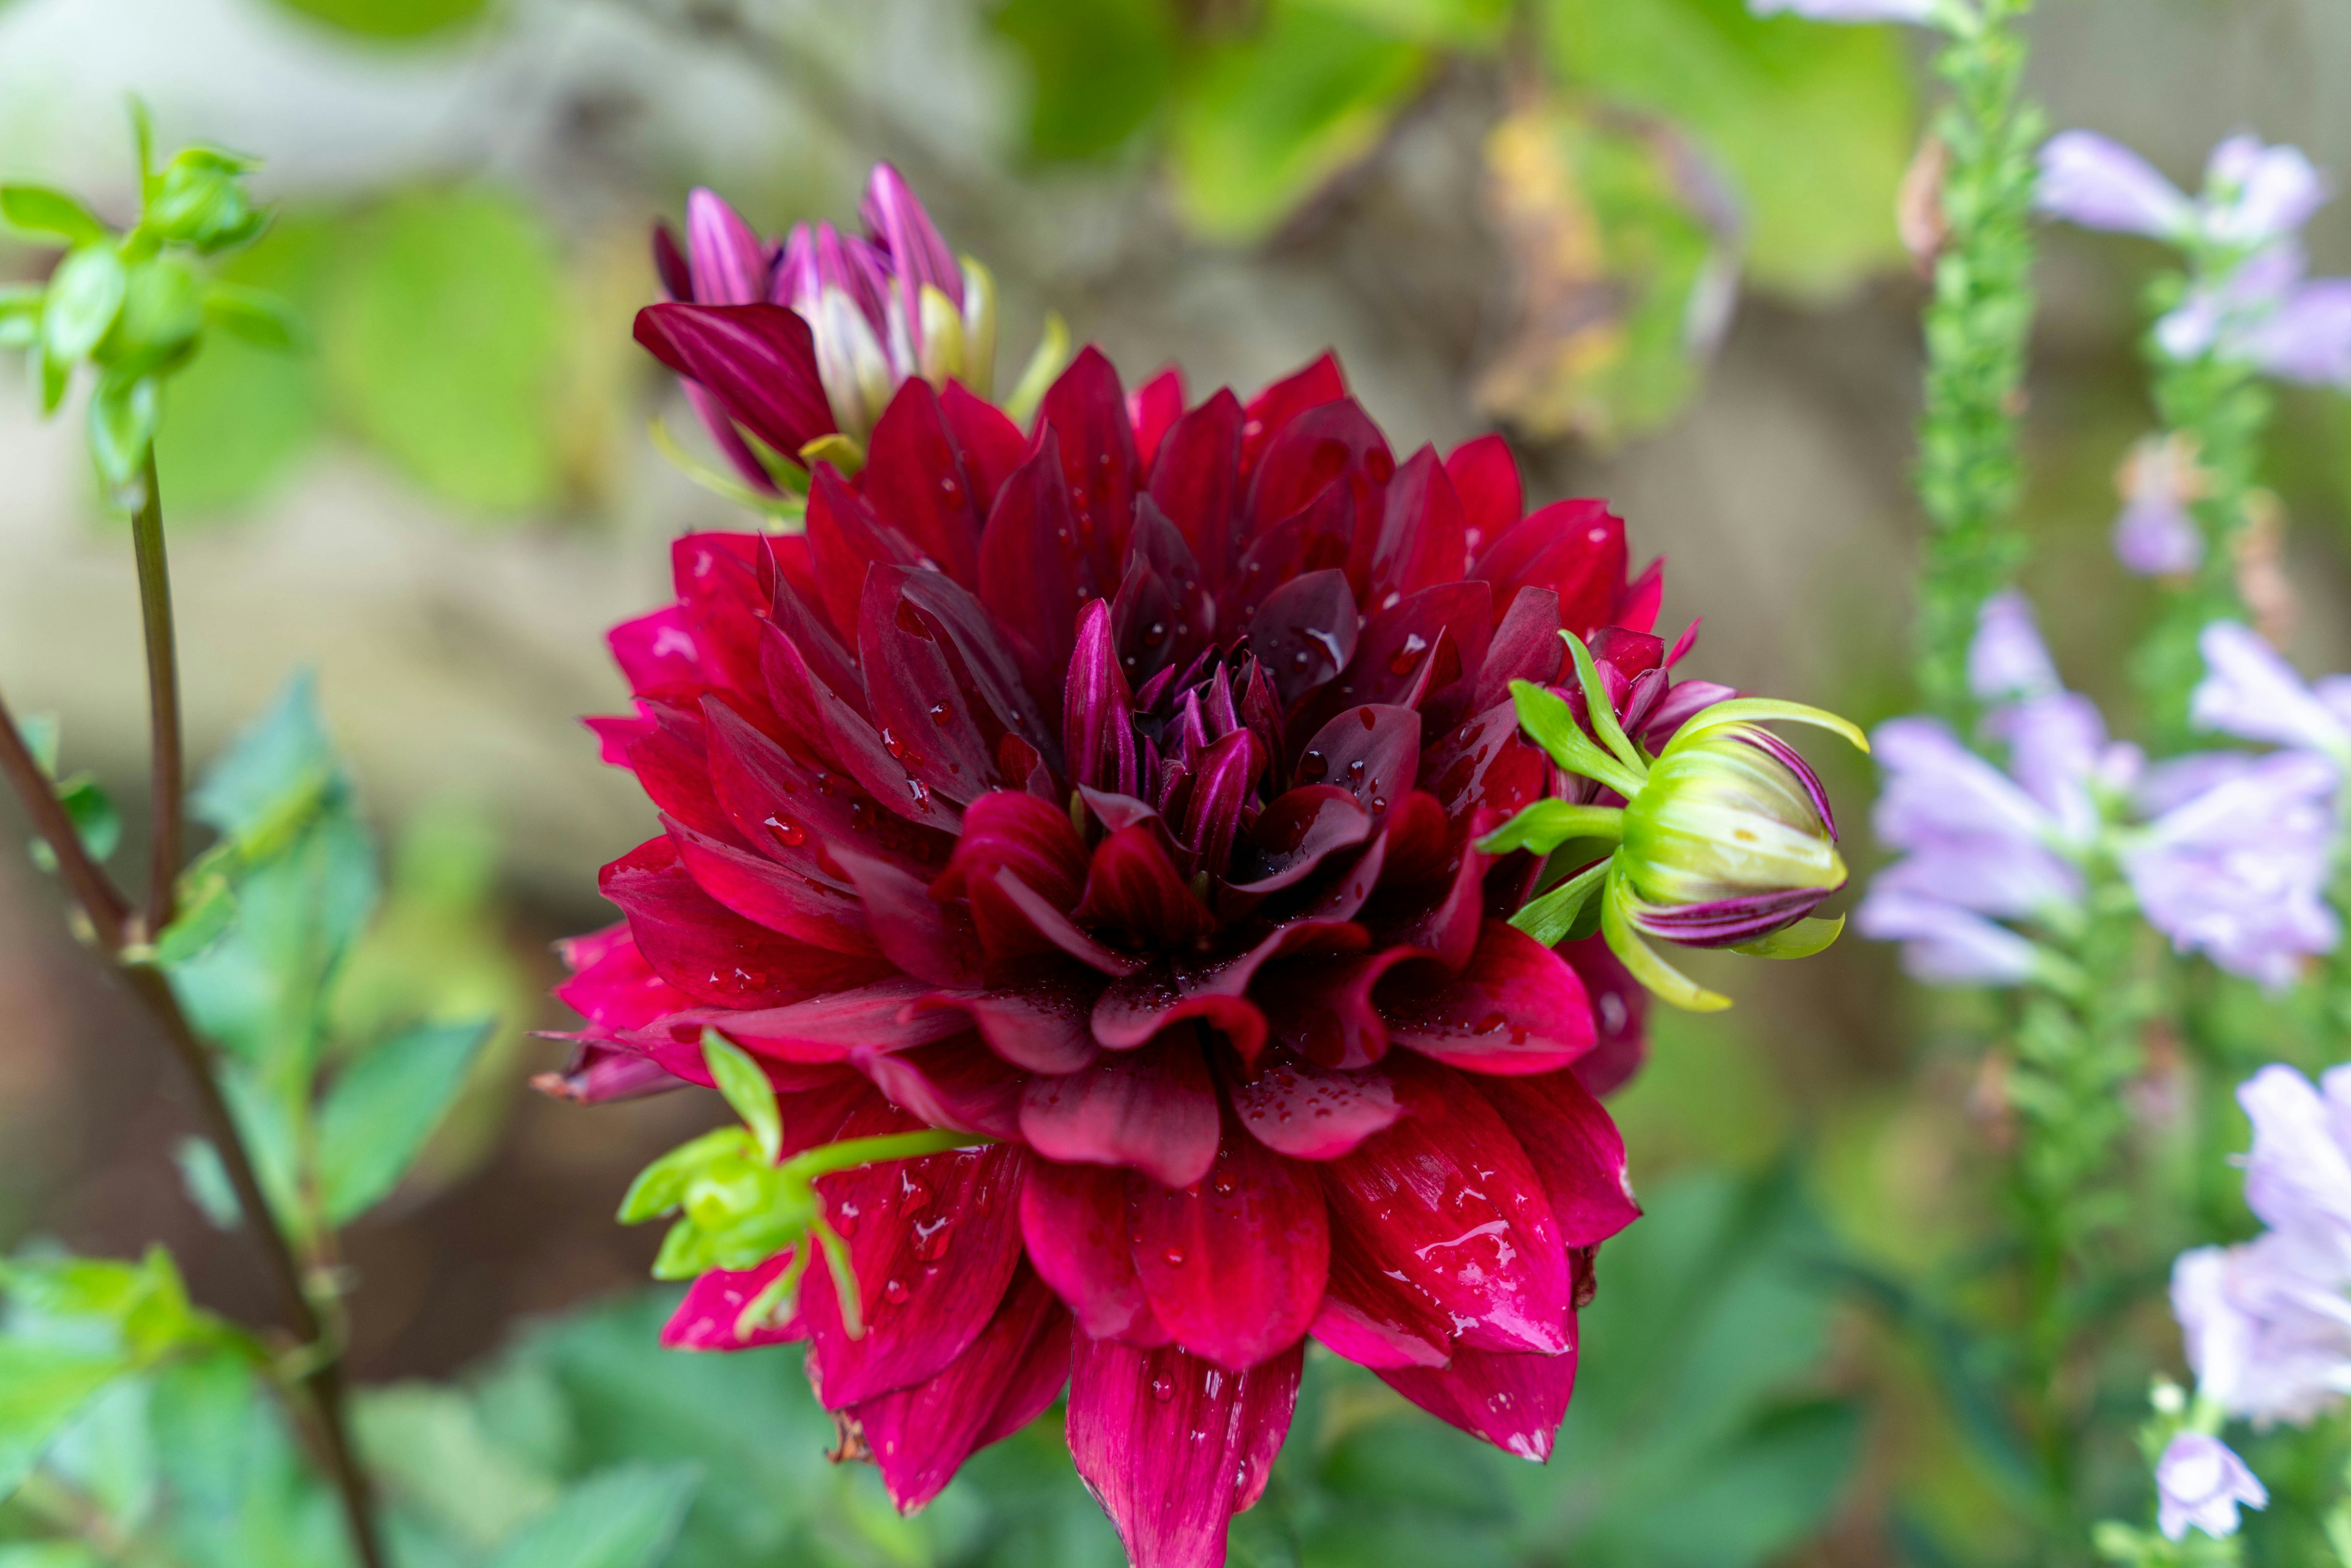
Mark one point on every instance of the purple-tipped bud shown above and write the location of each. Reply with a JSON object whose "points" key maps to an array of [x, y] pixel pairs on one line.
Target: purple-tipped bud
{"points": [[1097, 709], [725, 258]]}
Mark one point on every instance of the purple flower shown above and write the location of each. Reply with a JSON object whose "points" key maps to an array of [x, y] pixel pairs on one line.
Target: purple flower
{"points": [[2156, 535], [1942, 943], [2254, 194], [1851, 10], [2199, 1480], [2268, 1335], [2099, 184], [2298, 1173], [2007, 661], [2238, 873], [2248, 691], [2266, 313]]}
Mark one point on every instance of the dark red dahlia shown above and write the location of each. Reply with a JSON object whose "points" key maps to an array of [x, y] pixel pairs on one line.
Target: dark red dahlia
{"points": [[1109, 789]]}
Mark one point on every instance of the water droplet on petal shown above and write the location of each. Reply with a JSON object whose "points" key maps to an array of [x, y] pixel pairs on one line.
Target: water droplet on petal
{"points": [[894, 1292]]}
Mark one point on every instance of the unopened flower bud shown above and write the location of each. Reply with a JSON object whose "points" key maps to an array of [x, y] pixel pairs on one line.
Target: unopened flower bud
{"points": [[1734, 818]]}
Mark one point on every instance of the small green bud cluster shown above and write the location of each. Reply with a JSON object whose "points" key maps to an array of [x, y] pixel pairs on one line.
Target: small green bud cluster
{"points": [[132, 305]]}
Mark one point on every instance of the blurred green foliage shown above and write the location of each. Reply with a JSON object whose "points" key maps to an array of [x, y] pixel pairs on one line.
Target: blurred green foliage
{"points": [[391, 19]]}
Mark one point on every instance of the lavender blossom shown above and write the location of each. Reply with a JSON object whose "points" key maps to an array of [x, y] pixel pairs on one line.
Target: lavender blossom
{"points": [[2156, 535], [2199, 1481], [2007, 662], [1916, 11], [2248, 691], [2099, 184]]}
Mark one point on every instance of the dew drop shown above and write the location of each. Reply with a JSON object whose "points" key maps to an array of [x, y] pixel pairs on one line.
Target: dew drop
{"points": [[1174, 1257], [1224, 1185], [1163, 1388], [940, 714], [931, 1240], [790, 834], [914, 1193], [1367, 718], [894, 1292], [1355, 771], [1492, 1023], [1155, 633], [1313, 765]]}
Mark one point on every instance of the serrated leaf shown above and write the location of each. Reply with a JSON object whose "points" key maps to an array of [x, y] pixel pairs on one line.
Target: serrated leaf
{"points": [[1814, 122], [441, 339], [382, 1109], [1261, 123], [84, 298], [39, 210], [624, 1518]]}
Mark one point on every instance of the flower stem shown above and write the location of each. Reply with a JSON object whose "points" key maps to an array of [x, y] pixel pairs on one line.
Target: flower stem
{"points": [[108, 911], [1977, 327], [168, 766]]}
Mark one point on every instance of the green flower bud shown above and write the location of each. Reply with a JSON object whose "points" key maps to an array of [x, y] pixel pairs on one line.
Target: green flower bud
{"points": [[1733, 815]]}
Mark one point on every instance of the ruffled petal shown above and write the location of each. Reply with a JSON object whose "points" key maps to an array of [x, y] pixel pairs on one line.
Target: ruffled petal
{"points": [[1234, 1264], [1514, 1402], [1154, 1109], [1516, 1009]]}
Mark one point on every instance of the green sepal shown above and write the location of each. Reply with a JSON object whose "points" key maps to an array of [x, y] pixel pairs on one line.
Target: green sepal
{"points": [[1802, 940], [1596, 703], [684, 1254], [747, 1090], [85, 295], [843, 452], [845, 1288], [1545, 825], [1752, 710], [1662, 978], [791, 509], [39, 210], [121, 434], [1551, 724], [1552, 918], [660, 1187], [1051, 356]]}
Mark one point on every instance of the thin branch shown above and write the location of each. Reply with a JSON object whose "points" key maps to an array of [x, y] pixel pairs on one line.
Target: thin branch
{"points": [[109, 911], [163, 704]]}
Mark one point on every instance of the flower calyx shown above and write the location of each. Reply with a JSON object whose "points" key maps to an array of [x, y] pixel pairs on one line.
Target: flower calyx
{"points": [[1724, 838], [739, 1202]]}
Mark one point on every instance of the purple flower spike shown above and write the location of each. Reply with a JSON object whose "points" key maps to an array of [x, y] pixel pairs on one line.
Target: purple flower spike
{"points": [[2008, 661], [2099, 184], [2199, 1481], [2306, 337], [2254, 194], [2250, 692], [1914, 11], [2156, 535]]}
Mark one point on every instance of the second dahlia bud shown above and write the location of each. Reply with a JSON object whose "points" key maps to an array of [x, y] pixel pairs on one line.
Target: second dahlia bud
{"points": [[1728, 839]]}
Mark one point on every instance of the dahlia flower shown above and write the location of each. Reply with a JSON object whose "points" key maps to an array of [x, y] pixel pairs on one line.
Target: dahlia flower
{"points": [[1103, 798], [810, 338]]}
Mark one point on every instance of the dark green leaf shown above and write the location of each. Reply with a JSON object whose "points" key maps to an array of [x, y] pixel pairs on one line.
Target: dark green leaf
{"points": [[382, 1109], [85, 295], [622, 1518], [391, 19], [1097, 69], [1263, 123], [36, 209], [442, 341]]}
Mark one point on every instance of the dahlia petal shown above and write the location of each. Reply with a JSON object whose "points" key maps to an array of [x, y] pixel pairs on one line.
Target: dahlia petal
{"points": [[1234, 1265], [852, 741], [919, 255], [1212, 817], [1153, 410], [990, 446], [1041, 1025], [1214, 990], [718, 581], [1331, 446], [1576, 548], [1009, 900], [783, 901], [845, 540], [1195, 481], [933, 1243], [1074, 1224], [1371, 750], [1527, 646], [1031, 580], [727, 264], [933, 942], [1422, 532], [1347, 1331], [657, 652], [1308, 1113], [1729, 922], [611, 985], [1323, 1011], [672, 761], [926, 722], [958, 1083], [1620, 1008], [1312, 539], [1174, 1445], [1097, 708], [714, 1305], [1087, 410], [757, 360], [615, 734], [1575, 1147], [1154, 1109], [1446, 1202], [1636, 605], [797, 616], [1514, 1402], [1374, 1319], [599, 1074], [1013, 829], [1270, 411], [1162, 617], [916, 481], [1294, 835], [1132, 886], [1517, 1010], [1486, 477], [829, 1026], [795, 813], [708, 951], [1448, 929], [920, 1436], [1487, 766], [670, 264], [1402, 645]]}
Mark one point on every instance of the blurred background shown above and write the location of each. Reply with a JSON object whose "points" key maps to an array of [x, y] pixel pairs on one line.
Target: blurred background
{"points": [[1654, 240]]}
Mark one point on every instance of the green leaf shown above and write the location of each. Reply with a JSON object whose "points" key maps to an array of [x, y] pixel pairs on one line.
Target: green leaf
{"points": [[94, 817], [205, 1180], [382, 1109], [1097, 69], [442, 343], [37, 209], [1754, 710], [1550, 723], [163, 311], [747, 1088], [427, 1447], [1552, 918], [200, 200], [273, 764], [1802, 940], [660, 1186], [121, 433], [20, 314], [1452, 24], [391, 19], [1814, 122], [624, 1518], [42, 1386], [258, 316], [85, 295], [143, 1304], [1261, 123], [49, 1554], [1546, 824]]}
